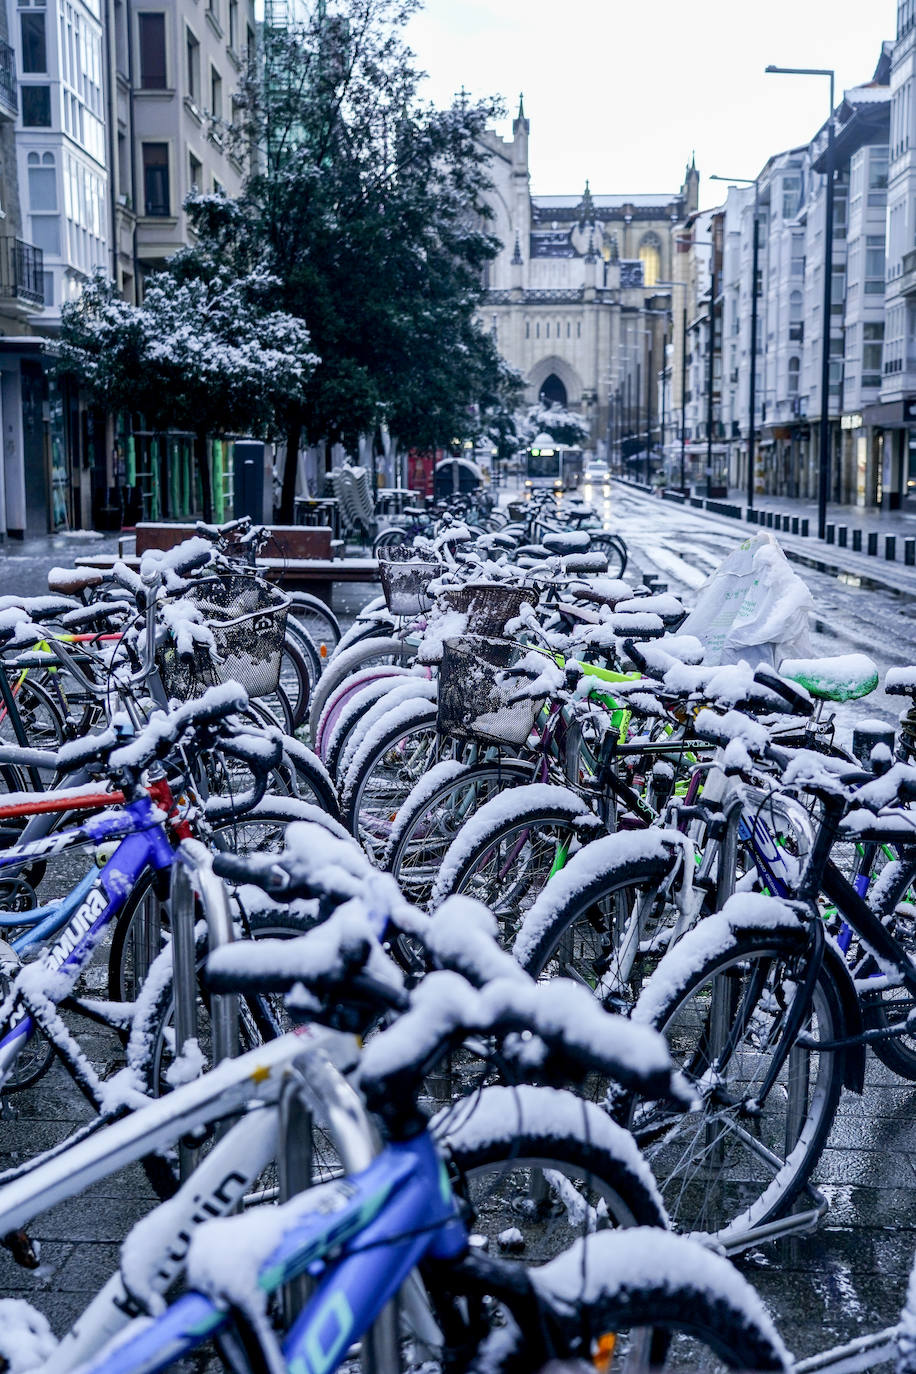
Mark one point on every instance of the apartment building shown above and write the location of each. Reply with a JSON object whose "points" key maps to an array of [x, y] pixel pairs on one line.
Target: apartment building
{"points": [[175, 66]]}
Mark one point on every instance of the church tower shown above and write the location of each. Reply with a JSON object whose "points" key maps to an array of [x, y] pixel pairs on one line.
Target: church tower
{"points": [[521, 193], [691, 187]]}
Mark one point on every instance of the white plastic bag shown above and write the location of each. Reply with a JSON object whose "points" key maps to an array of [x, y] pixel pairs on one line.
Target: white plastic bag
{"points": [[754, 607]]}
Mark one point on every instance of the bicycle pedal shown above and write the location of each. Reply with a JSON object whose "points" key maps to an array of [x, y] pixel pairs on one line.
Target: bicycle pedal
{"points": [[21, 1249]]}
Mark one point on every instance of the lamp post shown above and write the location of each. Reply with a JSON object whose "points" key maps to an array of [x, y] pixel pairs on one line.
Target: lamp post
{"points": [[752, 380], [823, 485]]}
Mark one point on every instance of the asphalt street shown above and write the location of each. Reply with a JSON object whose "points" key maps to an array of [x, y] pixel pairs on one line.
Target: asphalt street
{"points": [[845, 1280]]}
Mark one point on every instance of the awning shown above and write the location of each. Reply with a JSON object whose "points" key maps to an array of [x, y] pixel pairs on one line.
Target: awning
{"points": [[891, 414]]}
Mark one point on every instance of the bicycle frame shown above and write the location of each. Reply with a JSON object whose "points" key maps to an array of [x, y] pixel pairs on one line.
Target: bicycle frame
{"points": [[378, 1224], [92, 907]]}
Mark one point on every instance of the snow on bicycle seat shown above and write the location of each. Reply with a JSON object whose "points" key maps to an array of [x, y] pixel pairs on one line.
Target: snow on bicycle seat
{"points": [[567, 541], [70, 581], [844, 677], [900, 682]]}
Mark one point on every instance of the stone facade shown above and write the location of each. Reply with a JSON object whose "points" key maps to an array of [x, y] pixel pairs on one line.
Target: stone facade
{"points": [[578, 297]]}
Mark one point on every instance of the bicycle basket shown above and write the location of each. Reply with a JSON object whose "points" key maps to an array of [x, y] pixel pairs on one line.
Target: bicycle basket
{"points": [[476, 694], [247, 618], [405, 577], [489, 605]]}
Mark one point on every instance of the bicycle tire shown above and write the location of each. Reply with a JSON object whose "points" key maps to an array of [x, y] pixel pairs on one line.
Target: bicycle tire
{"points": [[693, 999], [615, 550], [342, 695], [883, 1010], [425, 824], [670, 1294], [408, 688], [377, 650], [408, 740], [505, 1139], [515, 826], [319, 621], [580, 924], [349, 716]]}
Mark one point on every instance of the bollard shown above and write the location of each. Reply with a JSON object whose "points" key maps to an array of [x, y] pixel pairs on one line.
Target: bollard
{"points": [[909, 552], [890, 548], [804, 528], [786, 522], [831, 534], [857, 541], [842, 535], [769, 519], [873, 543], [795, 524]]}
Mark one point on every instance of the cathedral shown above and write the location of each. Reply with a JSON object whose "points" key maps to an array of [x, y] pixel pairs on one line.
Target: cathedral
{"points": [[578, 297]]}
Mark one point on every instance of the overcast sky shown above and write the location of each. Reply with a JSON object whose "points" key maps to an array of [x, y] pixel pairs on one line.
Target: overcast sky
{"points": [[622, 93]]}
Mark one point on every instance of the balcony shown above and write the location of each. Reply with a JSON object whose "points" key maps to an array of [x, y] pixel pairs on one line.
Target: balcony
{"points": [[21, 272], [9, 105]]}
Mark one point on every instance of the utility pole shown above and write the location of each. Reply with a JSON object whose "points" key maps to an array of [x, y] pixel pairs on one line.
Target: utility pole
{"points": [[649, 389]]}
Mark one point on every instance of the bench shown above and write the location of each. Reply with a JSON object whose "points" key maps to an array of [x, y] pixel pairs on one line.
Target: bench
{"points": [[286, 541]]}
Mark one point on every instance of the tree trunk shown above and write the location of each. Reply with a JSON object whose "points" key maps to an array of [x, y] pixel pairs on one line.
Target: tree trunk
{"points": [[202, 458], [290, 472]]}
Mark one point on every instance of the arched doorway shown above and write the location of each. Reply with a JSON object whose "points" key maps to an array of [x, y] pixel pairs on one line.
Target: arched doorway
{"points": [[552, 391]]}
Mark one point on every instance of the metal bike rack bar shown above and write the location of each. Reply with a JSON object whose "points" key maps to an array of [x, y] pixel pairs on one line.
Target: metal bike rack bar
{"points": [[865, 1352], [796, 1224]]}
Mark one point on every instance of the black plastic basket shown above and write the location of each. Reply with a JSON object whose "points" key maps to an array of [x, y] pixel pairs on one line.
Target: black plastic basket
{"points": [[247, 618], [405, 576], [476, 692], [488, 605]]}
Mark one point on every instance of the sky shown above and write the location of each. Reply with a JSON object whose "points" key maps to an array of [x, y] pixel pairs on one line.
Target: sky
{"points": [[623, 93]]}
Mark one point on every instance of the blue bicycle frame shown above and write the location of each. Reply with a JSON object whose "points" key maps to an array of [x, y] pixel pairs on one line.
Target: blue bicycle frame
{"points": [[92, 905], [378, 1224]]}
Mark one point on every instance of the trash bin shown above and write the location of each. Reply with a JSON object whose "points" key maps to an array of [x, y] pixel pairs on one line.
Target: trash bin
{"points": [[248, 474]]}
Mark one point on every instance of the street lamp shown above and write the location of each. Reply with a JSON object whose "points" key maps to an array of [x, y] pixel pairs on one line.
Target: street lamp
{"points": [[824, 473], [752, 401]]}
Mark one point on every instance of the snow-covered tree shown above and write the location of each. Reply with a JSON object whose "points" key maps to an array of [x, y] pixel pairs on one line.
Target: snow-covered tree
{"points": [[368, 206], [208, 355], [563, 426]]}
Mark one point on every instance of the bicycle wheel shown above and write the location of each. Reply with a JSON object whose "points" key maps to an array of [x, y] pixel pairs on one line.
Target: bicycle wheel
{"points": [[142, 927], [344, 694], [399, 750], [318, 621], [722, 998], [39, 713], [434, 812], [365, 654], [650, 1301], [894, 902], [348, 717], [507, 851], [614, 549], [402, 690], [540, 1167], [602, 920], [152, 1052]]}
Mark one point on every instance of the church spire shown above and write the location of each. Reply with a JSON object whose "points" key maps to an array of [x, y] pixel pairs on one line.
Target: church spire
{"points": [[520, 122], [586, 207], [517, 254]]}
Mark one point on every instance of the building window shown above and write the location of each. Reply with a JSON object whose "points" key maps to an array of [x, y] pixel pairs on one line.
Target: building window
{"points": [[537, 330], [874, 265], [547, 329], [216, 94], [48, 287], [578, 329], [233, 23], [527, 329], [650, 255], [156, 179], [872, 350], [791, 193], [192, 57], [213, 10], [568, 329], [151, 28], [195, 173], [36, 107], [250, 40], [34, 48], [42, 182], [218, 188], [877, 177]]}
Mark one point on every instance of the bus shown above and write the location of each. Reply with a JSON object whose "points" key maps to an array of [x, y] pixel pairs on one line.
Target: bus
{"points": [[557, 468]]}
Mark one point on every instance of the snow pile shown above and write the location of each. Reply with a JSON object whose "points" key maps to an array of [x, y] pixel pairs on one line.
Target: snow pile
{"points": [[26, 1338]]}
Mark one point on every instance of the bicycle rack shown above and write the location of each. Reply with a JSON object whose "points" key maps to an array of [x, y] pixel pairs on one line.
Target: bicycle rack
{"points": [[865, 1352], [796, 1224]]}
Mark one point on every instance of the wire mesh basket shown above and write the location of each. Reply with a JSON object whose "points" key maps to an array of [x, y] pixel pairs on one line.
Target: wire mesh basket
{"points": [[488, 605], [247, 618], [477, 695], [405, 576]]}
